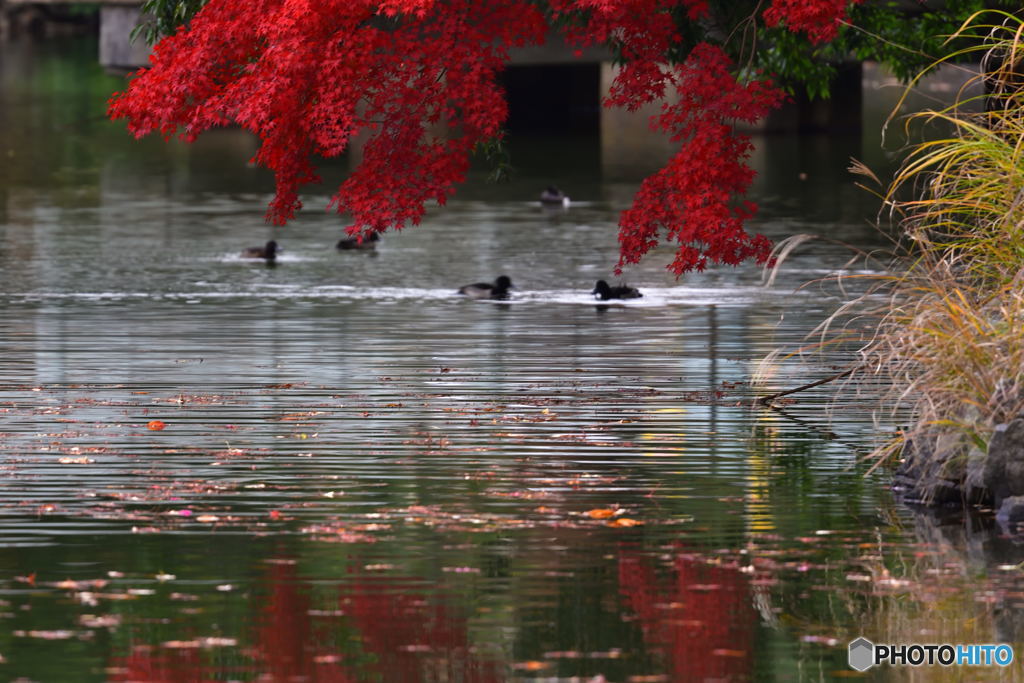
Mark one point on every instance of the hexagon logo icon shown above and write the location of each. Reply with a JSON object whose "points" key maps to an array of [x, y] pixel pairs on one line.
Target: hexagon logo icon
{"points": [[862, 654]]}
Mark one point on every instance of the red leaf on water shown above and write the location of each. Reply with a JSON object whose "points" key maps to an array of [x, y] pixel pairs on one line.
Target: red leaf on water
{"points": [[30, 579]]}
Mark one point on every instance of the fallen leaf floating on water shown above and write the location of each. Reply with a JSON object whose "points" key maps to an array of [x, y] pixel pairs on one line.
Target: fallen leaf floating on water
{"points": [[624, 522], [101, 621], [46, 635], [892, 582], [68, 584], [214, 641], [184, 597], [823, 640], [180, 644], [414, 647], [601, 513], [292, 417], [87, 598], [155, 425], [196, 643]]}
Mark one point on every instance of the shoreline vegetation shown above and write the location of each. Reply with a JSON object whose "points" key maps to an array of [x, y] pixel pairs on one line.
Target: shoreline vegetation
{"points": [[943, 328]]}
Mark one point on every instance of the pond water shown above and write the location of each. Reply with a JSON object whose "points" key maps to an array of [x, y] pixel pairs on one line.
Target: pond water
{"points": [[362, 476]]}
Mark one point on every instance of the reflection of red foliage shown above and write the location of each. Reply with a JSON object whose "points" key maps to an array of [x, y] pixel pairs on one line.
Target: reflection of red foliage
{"points": [[701, 619], [409, 633], [290, 645], [402, 637], [163, 666], [407, 637]]}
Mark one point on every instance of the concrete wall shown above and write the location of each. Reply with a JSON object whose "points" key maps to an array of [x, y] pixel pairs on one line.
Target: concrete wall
{"points": [[630, 148], [117, 51], [555, 51]]}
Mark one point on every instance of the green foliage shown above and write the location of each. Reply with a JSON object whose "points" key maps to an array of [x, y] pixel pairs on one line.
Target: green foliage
{"points": [[498, 159], [905, 39], [794, 62], [84, 9], [163, 17]]}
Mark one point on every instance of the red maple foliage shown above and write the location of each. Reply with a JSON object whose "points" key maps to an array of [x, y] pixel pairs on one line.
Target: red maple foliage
{"points": [[819, 19], [306, 76]]}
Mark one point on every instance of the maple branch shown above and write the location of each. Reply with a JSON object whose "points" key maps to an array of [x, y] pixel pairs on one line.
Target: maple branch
{"points": [[749, 27], [766, 400]]}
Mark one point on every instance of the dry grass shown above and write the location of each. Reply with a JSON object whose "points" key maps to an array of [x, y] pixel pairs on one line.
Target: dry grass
{"points": [[945, 331]]}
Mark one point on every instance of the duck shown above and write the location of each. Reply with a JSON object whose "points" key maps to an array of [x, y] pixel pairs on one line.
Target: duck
{"points": [[486, 290], [358, 242], [603, 291], [552, 196], [268, 251]]}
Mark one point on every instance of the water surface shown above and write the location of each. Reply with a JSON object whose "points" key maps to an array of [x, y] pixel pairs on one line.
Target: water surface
{"points": [[364, 476]]}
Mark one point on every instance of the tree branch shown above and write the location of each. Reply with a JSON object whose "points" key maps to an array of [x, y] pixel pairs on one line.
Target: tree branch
{"points": [[766, 400]]}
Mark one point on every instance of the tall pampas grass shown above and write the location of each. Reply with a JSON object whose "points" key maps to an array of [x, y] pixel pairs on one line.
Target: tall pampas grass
{"points": [[944, 329]]}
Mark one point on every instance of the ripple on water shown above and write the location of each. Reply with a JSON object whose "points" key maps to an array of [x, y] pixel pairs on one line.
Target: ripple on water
{"points": [[653, 297]]}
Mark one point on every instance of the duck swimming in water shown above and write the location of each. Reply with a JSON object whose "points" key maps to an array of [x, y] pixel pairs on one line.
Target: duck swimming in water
{"points": [[552, 196], [267, 252], [366, 242], [603, 291], [486, 290]]}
